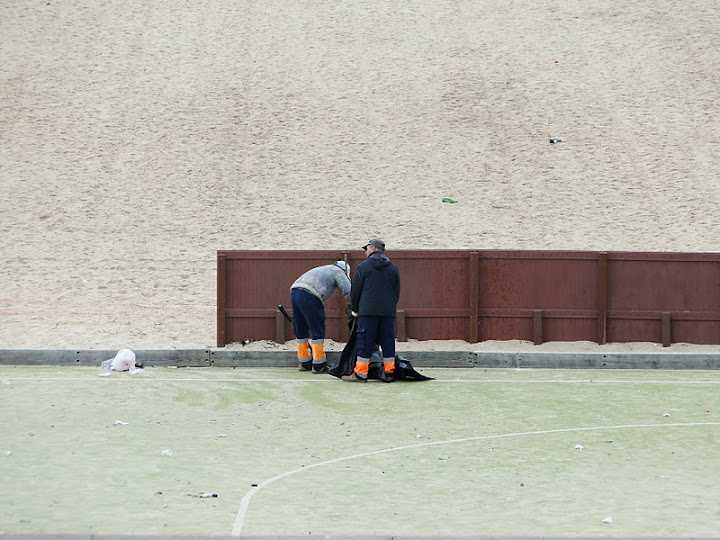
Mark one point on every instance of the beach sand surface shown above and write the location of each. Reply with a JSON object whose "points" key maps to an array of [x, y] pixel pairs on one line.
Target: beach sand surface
{"points": [[138, 138]]}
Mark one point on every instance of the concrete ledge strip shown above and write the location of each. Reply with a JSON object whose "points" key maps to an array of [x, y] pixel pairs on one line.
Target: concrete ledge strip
{"points": [[419, 359], [572, 360], [30, 536], [61, 357]]}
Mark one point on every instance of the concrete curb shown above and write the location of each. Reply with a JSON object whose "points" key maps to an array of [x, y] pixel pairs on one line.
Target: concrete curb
{"points": [[572, 360], [272, 537], [427, 359]]}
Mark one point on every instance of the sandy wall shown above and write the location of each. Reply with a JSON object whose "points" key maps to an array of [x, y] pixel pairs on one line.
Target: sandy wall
{"points": [[137, 138]]}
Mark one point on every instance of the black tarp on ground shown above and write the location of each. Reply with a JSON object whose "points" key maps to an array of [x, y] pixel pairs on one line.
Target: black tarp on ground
{"points": [[403, 369]]}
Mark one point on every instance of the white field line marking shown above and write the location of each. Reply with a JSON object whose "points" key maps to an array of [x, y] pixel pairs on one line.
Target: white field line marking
{"points": [[245, 502], [560, 381]]}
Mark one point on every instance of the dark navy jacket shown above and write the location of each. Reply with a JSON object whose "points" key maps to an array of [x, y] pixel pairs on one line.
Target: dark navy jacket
{"points": [[376, 287]]}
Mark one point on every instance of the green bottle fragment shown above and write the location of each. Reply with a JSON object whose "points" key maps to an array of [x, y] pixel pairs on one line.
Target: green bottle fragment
{"points": [[448, 199]]}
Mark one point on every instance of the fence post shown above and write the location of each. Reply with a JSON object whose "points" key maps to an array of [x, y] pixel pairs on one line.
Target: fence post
{"points": [[666, 328], [537, 327], [344, 330], [602, 297], [474, 296], [400, 329], [279, 327], [221, 259]]}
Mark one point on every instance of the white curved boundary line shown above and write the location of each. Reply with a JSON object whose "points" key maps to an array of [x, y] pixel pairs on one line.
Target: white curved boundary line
{"points": [[245, 502]]}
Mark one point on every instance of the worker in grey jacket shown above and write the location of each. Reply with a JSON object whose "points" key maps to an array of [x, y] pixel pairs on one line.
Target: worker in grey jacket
{"points": [[308, 295]]}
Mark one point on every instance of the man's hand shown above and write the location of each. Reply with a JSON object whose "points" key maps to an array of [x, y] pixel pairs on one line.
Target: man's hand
{"points": [[354, 314]]}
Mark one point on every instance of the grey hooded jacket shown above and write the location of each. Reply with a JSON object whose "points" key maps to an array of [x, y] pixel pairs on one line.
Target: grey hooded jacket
{"points": [[322, 282]]}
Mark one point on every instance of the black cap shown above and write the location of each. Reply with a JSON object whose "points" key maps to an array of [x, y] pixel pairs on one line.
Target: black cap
{"points": [[377, 243]]}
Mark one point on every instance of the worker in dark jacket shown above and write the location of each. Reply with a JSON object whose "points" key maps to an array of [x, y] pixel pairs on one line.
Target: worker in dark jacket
{"points": [[374, 296]]}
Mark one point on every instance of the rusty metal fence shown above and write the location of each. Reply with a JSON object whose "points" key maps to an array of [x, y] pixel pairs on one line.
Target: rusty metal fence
{"points": [[475, 296]]}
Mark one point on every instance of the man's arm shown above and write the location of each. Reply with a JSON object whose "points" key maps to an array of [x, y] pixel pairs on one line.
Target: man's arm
{"points": [[356, 290]]}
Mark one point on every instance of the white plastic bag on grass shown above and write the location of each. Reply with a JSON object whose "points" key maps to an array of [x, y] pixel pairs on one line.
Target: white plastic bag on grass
{"points": [[124, 361]]}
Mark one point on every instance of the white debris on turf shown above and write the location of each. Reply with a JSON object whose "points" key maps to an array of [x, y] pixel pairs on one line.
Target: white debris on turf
{"points": [[124, 361], [607, 520], [167, 452], [579, 447]]}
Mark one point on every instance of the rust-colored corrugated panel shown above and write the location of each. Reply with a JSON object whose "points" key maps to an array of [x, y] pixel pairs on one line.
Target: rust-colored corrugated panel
{"points": [[695, 330], [500, 328], [499, 295], [624, 330], [644, 286], [518, 284], [577, 328], [257, 281], [538, 279], [664, 282], [432, 279], [434, 292]]}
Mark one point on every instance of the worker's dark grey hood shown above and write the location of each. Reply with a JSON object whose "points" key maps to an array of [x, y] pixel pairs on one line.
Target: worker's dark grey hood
{"points": [[379, 260]]}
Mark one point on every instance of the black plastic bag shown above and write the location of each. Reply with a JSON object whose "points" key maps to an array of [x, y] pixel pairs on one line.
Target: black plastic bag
{"points": [[346, 364]]}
